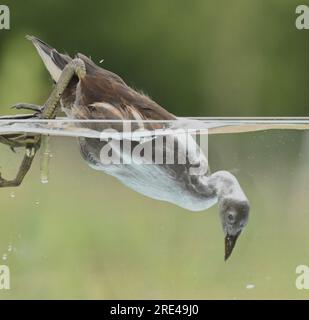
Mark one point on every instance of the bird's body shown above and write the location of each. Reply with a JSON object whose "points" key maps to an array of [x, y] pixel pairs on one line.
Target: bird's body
{"points": [[167, 182], [102, 95]]}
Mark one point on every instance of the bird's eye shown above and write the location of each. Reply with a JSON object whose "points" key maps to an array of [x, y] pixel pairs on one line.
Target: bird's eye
{"points": [[231, 217]]}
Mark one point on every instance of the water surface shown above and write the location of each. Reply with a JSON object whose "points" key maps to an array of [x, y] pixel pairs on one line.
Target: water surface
{"points": [[85, 235]]}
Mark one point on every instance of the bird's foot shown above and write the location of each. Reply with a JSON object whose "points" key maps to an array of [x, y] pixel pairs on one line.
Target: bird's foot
{"points": [[29, 106], [18, 140]]}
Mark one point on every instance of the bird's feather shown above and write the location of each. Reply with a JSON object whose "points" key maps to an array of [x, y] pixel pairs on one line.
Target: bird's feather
{"points": [[99, 87]]}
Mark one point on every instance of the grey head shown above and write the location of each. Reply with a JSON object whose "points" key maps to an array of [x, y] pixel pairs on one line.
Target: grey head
{"points": [[234, 214], [233, 207]]}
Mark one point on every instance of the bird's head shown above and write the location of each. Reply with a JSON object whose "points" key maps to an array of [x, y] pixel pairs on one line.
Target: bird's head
{"points": [[234, 213]]}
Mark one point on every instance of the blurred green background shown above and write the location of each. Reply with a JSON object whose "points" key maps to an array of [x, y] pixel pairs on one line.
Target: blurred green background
{"points": [[199, 57], [84, 235]]}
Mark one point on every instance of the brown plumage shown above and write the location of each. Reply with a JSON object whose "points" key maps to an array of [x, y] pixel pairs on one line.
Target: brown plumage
{"points": [[100, 85], [100, 94]]}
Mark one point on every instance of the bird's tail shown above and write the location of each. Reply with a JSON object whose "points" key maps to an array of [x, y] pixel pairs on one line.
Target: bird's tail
{"points": [[53, 60]]}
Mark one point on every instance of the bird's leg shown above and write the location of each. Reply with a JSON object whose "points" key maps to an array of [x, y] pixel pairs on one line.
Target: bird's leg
{"points": [[20, 116], [11, 142], [31, 149], [16, 140], [75, 67], [27, 106]]}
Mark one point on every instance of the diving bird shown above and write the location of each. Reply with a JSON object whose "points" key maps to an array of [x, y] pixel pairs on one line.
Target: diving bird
{"points": [[95, 93]]}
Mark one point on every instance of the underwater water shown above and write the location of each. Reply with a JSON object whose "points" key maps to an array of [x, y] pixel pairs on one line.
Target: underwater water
{"points": [[84, 235]]}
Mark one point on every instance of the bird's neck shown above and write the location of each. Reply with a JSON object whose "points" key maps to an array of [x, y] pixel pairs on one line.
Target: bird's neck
{"points": [[220, 185], [224, 185]]}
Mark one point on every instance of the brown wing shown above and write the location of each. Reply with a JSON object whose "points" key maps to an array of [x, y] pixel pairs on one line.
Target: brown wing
{"points": [[100, 97], [99, 88], [103, 86]]}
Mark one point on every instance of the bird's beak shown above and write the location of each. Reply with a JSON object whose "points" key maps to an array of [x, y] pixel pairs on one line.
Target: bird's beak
{"points": [[230, 241]]}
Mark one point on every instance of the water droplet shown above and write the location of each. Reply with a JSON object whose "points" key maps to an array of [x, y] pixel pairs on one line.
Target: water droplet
{"points": [[44, 180], [9, 248], [12, 195], [4, 257], [37, 202], [250, 286]]}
